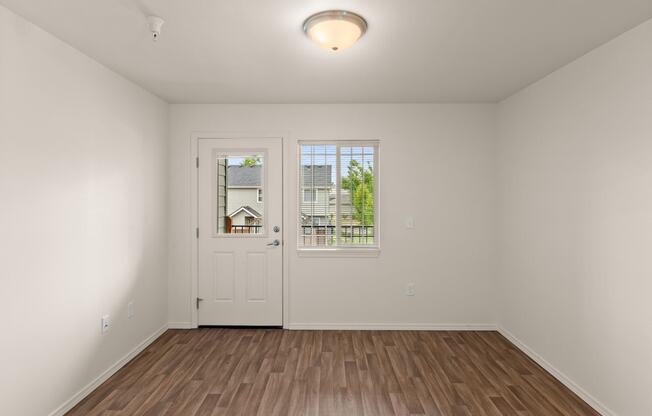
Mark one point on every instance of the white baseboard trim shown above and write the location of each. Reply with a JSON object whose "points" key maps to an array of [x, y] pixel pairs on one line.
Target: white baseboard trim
{"points": [[392, 327], [574, 387], [180, 325], [81, 394]]}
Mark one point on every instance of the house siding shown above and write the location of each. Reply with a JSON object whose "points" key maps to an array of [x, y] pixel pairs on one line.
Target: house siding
{"points": [[242, 197]]}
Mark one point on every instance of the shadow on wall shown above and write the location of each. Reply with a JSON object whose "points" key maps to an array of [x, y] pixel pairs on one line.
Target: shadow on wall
{"points": [[124, 259], [89, 240]]}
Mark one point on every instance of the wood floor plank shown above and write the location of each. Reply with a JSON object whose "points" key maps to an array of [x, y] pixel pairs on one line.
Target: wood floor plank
{"points": [[269, 372]]}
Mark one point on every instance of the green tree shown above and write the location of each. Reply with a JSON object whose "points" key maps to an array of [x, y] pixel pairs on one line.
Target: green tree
{"points": [[250, 161], [360, 182]]}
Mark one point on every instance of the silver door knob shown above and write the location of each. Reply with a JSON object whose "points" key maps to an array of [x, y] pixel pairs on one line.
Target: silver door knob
{"points": [[274, 243]]}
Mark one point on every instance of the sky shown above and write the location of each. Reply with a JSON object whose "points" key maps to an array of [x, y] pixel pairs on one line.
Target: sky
{"points": [[325, 155]]}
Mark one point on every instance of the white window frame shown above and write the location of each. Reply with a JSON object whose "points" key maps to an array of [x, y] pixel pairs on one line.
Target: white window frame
{"points": [[352, 250], [259, 195]]}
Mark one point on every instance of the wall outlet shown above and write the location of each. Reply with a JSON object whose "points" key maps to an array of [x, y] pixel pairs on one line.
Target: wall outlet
{"points": [[106, 324], [410, 289], [130, 310]]}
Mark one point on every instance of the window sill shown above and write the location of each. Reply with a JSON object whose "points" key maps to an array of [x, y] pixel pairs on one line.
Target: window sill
{"points": [[338, 252]]}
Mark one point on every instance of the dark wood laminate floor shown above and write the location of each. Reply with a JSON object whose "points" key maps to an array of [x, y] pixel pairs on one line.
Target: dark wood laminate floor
{"points": [[214, 371]]}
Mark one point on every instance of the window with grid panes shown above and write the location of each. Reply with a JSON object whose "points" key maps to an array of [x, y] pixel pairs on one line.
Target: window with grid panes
{"points": [[338, 184]]}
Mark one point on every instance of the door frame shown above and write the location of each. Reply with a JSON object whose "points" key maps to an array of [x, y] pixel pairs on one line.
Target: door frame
{"points": [[194, 212]]}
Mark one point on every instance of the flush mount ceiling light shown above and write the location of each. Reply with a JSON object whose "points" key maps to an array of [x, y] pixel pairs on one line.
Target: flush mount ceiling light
{"points": [[335, 29]]}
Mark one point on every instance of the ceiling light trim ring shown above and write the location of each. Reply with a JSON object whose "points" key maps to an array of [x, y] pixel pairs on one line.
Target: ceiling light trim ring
{"points": [[322, 18], [336, 15]]}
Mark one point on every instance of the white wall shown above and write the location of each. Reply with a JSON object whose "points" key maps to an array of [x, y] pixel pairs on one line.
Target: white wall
{"points": [[576, 223], [83, 182], [436, 164]]}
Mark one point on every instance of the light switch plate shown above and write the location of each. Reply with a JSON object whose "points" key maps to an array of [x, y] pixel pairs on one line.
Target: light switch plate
{"points": [[410, 289], [106, 324], [409, 223]]}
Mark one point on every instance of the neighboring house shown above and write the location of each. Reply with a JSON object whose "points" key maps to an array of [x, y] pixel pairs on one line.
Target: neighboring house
{"points": [[246, 215], [316, 187], [244, 200], [318, 197]]}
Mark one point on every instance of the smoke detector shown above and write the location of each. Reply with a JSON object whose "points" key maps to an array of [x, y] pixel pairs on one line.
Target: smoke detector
{"points": [[155, 24]]}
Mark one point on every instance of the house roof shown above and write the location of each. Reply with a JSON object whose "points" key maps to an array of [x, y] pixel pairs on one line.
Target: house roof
{"points": [[244, 175], [252, 176], [248, 210], [321, 174]]}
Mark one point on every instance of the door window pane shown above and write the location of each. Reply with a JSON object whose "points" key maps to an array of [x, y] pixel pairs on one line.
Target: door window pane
{"points": [[239, 188]]}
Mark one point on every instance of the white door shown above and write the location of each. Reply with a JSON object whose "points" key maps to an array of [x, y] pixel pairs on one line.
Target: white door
{"points": [[240, 232]]}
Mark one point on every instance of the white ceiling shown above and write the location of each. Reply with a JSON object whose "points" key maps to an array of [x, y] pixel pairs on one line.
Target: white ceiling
{"points": [[253, 51]]}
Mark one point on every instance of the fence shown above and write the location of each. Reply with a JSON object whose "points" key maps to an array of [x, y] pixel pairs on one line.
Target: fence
{"points": [[325, 235], [246, 229]]}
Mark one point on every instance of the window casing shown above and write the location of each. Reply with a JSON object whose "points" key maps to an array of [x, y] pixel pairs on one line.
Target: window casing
{"points": [[338, 195]]}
